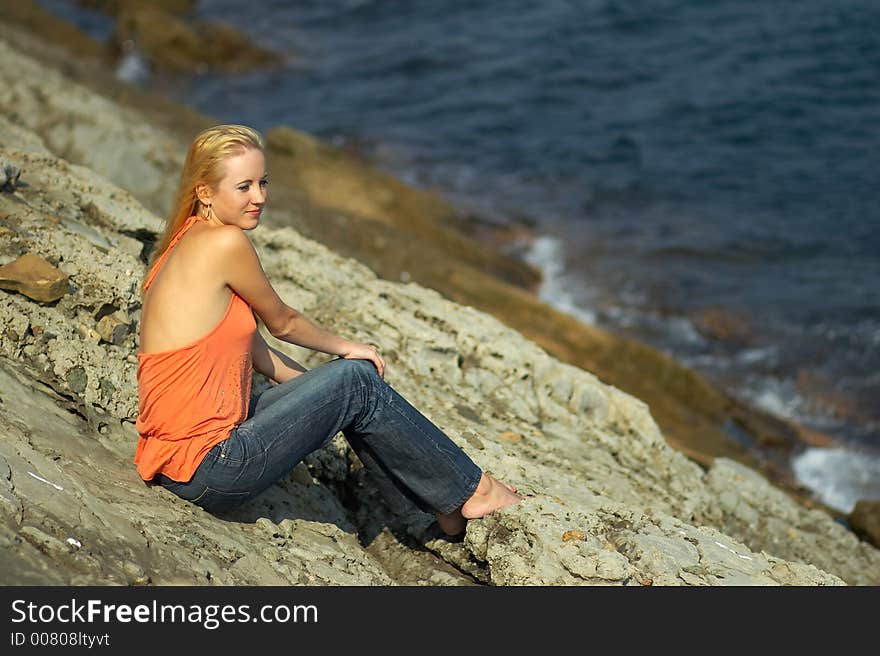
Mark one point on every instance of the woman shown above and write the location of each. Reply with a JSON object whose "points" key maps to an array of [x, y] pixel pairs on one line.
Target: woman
{"points": [[199, 345]]}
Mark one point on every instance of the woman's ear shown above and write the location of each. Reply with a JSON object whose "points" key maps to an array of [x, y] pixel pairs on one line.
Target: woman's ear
{"points": [[203, 193]]}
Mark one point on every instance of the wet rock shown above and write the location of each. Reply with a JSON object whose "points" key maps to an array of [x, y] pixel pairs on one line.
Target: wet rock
{"points": [[865, 520], [114, 7], [171, 42], [823, 397], [35, 277], [814, 437], [50, 29], [722, 324]]}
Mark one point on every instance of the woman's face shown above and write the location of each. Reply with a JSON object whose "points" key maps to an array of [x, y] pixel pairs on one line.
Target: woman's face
{"points": [[241, 194]]}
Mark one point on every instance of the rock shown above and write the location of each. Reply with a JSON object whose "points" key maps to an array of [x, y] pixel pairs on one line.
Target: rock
{"points": [[35, 277], [814, 437], [865, 520], [823, 396], [114, 7], [89, 333], [112, 330], [51, 29], [511, 436], [77, 379], [765, 518], [9, 174], [173, 43], [722, 324]]}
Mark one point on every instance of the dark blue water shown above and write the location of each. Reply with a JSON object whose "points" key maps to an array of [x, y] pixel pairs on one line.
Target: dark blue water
{"points": [[672, 156]]}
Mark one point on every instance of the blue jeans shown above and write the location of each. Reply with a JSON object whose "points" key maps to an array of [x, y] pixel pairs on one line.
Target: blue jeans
{"points": [[290, 420]]}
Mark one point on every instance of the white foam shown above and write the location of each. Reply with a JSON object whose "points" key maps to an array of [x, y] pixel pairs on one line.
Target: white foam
{"points": [[775, 396], [753, 355], [682, 329], [703, 360], [132, 68], [839, 477], [546, 254]]}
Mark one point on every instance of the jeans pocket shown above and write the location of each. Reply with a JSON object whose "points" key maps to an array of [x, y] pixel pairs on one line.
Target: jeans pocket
{"points": [[205, 496], [215, 501], [233, 450], [186, 491]]}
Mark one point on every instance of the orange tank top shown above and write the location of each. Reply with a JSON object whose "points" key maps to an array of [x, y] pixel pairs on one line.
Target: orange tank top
{"points": [[190, 398]]}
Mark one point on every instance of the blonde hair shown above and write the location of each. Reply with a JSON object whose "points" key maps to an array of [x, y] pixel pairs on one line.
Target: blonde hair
{"points": [[204, 164]]}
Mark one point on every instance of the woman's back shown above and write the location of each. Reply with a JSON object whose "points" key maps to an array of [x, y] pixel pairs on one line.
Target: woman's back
{"points": [[194, 368], [187, 297]]}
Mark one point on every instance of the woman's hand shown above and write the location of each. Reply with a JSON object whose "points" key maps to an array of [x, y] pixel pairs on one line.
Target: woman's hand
{"points": [[366, 352]]}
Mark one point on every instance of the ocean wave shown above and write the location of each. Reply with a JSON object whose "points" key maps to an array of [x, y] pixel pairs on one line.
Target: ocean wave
{"points": [[546, 253], [839, 477]]}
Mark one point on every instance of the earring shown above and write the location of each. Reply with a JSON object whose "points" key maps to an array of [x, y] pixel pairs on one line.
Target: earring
{"points": [[207, 214]]}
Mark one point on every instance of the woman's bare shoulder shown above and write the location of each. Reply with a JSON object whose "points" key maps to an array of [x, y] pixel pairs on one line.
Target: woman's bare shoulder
{"points": [[223, 242], [218, 235], [216, 244]]}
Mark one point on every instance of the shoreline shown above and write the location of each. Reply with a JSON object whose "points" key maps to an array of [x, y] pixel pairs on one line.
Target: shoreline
{"points": [[721, 338], [690, 411]]}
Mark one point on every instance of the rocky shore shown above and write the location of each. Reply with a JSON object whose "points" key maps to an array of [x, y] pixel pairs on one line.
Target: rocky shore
{"points": [[610, 501]]}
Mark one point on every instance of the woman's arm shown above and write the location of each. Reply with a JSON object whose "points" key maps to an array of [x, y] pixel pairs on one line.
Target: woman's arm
{"points": [[302, 331], [240, 268], [273, 364]]}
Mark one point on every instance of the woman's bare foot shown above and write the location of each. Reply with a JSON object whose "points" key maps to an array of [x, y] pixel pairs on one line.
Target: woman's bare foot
{"points": [[452, 523], [491, 494]]}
